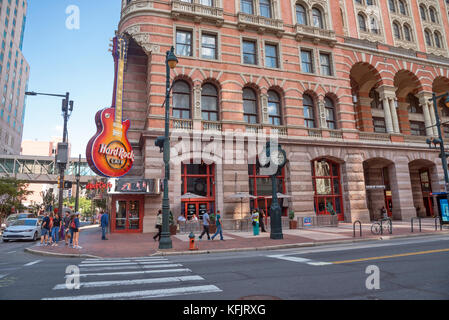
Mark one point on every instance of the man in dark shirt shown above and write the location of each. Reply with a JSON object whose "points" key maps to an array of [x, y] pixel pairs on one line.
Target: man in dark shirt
{"points": [[55, 230], [66, 228], [45, 230]]}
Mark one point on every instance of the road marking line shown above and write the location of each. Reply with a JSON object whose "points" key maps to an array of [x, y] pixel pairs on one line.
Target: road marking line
{"points": [[144, 294], [123, 261], [127, 258], [84, 269], [3, 275], [32, 263], [131, 272], [121, 264], [97, 284], [391, 256], [301, 260], [11, 251]]}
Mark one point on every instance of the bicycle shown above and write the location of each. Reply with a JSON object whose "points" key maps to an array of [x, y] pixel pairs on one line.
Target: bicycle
{"points": [[376, 227]]}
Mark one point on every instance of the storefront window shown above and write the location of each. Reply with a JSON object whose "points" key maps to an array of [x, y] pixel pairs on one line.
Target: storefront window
{"points": [[198, 180], [327, 187], [261, 187], [120, 215]]}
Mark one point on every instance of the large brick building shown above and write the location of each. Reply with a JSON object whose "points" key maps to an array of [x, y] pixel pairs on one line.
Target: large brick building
{"points": [[345, 83]]}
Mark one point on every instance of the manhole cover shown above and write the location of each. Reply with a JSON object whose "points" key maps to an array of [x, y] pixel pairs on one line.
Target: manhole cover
{"points": [[259, 298]]}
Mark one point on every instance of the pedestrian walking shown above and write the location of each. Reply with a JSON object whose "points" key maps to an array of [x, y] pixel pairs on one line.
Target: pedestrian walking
{"points": [[45, 229], [262, 220], [50, 229], [206, 224], [255, 219], [66, 226], [219, 227], [158, 225], [75, 225], [104, 220], [55, 230]]}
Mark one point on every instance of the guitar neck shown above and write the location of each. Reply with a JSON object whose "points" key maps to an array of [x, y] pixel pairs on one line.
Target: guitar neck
{"points": [[119, 91]]}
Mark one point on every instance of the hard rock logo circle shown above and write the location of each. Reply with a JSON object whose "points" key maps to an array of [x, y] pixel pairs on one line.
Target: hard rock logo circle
{"points": [[116, 154]]}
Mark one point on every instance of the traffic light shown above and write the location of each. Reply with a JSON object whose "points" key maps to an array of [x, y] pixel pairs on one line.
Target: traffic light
{"points": [[159, 142], [67, 184]]}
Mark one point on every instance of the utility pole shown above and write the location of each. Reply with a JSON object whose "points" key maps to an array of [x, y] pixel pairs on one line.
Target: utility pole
{"points": [[77, 177]]}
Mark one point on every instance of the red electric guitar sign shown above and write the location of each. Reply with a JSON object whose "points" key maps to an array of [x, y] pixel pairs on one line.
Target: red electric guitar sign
{"points": [[109, 152]]}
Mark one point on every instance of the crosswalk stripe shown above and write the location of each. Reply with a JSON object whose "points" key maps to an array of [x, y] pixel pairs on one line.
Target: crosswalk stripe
{"points": [[127, 258], [32, 263], [145, 294], [120, 264], [97, 284], [167, 265], [131, 272], [301, 260], [123, 261]]}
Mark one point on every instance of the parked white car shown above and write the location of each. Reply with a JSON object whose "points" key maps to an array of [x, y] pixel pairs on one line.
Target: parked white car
{"points": [[23, 229]]}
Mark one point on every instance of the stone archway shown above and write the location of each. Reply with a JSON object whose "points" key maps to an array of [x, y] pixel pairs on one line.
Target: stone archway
{"points": [[424, 180], [378, 176]]}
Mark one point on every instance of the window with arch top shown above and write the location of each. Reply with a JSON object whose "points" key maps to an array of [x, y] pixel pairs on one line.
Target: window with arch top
{"points": [[182, 100], [396, 31], [209, 102], [330, 113], [301, 14], [413, 104], [428, 37], [250, 113], [437, 40], [402, 7], [407, 33], [392, 5], [309, 114], [362, 22], [423, 12], [274, 108], [317, 18], [433, 14]]}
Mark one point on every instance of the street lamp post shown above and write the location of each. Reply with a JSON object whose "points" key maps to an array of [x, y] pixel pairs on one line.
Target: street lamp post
{"points": [[77, 178], [164, 143], [440, 141], [67, 105]]}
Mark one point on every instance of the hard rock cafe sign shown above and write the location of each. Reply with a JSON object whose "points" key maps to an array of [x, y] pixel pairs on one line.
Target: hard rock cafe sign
{"points": [[109, 152]]}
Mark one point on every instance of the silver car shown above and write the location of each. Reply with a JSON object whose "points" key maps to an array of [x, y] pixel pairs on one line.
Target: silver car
{"points": [[23, 229]]}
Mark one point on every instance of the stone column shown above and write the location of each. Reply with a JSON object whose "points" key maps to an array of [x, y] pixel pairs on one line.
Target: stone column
{"points": [[387, 115], [264, 109], [354, 192], [322, 113], [427, 119], [432, 118], [394, 115], [401, 189]]}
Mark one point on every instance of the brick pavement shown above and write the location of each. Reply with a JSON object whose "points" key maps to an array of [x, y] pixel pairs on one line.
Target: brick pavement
{"points": [[136, 245]]}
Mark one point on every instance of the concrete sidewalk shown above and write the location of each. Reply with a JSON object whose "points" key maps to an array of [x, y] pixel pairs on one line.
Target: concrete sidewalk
{"points": [[137, 245]]}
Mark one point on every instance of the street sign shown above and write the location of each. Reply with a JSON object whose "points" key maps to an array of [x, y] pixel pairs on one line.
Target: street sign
{"points": [[307, 221], [444, 211]]}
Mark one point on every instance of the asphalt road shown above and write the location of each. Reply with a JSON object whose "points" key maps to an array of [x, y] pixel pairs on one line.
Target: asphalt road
{"points": [[414, 268]]}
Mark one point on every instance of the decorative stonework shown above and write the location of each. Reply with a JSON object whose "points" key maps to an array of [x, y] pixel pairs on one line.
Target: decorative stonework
{"points": [[370, 12], [197, 102], [135, 6], [264, 104], [142, 39]]}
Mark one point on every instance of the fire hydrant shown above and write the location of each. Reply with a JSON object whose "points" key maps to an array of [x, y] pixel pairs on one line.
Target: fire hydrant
{"points": [[192, 241]]}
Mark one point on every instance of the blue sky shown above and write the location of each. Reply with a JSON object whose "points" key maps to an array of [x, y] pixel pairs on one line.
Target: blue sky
{"points": [[64, 60]]}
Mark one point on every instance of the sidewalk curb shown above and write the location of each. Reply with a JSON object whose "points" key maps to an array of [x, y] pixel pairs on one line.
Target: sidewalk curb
{"points": [[275, 247], [60, 255], [293, 245]]}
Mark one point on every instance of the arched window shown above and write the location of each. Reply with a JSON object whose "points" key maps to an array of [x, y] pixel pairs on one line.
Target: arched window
{"points": [[392, 5], [317, 18], [396, 30], [362, 22], [209, 102], [309, 115], [330, 113], [402, 7], [423, 11], [433, 14], [181, 100], [265, 8], [274, 108], [413, 104], [301, 16], [437, 40], [407, 33], [250, 106], [374, 27], [327, 187], [428, 38], [369, 2]]}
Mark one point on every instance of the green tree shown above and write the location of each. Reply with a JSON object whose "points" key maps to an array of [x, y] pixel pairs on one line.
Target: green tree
{"points": [[12, 193]]}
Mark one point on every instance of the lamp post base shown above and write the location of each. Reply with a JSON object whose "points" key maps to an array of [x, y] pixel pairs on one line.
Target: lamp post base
{"points": [[165, 242]]}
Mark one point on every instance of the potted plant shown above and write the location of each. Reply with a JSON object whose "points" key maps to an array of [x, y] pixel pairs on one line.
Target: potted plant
{"points": [[173, 226], [292, 222], [213, 226]]}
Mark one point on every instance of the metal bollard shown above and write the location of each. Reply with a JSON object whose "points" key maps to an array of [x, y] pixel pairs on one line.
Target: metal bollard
{"points": [[353, 228]]}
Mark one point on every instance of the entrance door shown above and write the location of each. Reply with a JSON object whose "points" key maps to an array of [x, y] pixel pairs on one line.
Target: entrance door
{"points": [[127, 214], [389, 205]]}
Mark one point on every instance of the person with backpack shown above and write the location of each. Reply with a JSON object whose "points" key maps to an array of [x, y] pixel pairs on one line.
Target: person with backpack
{"points": [[45, 229], [75, 225], [219, 227]]}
